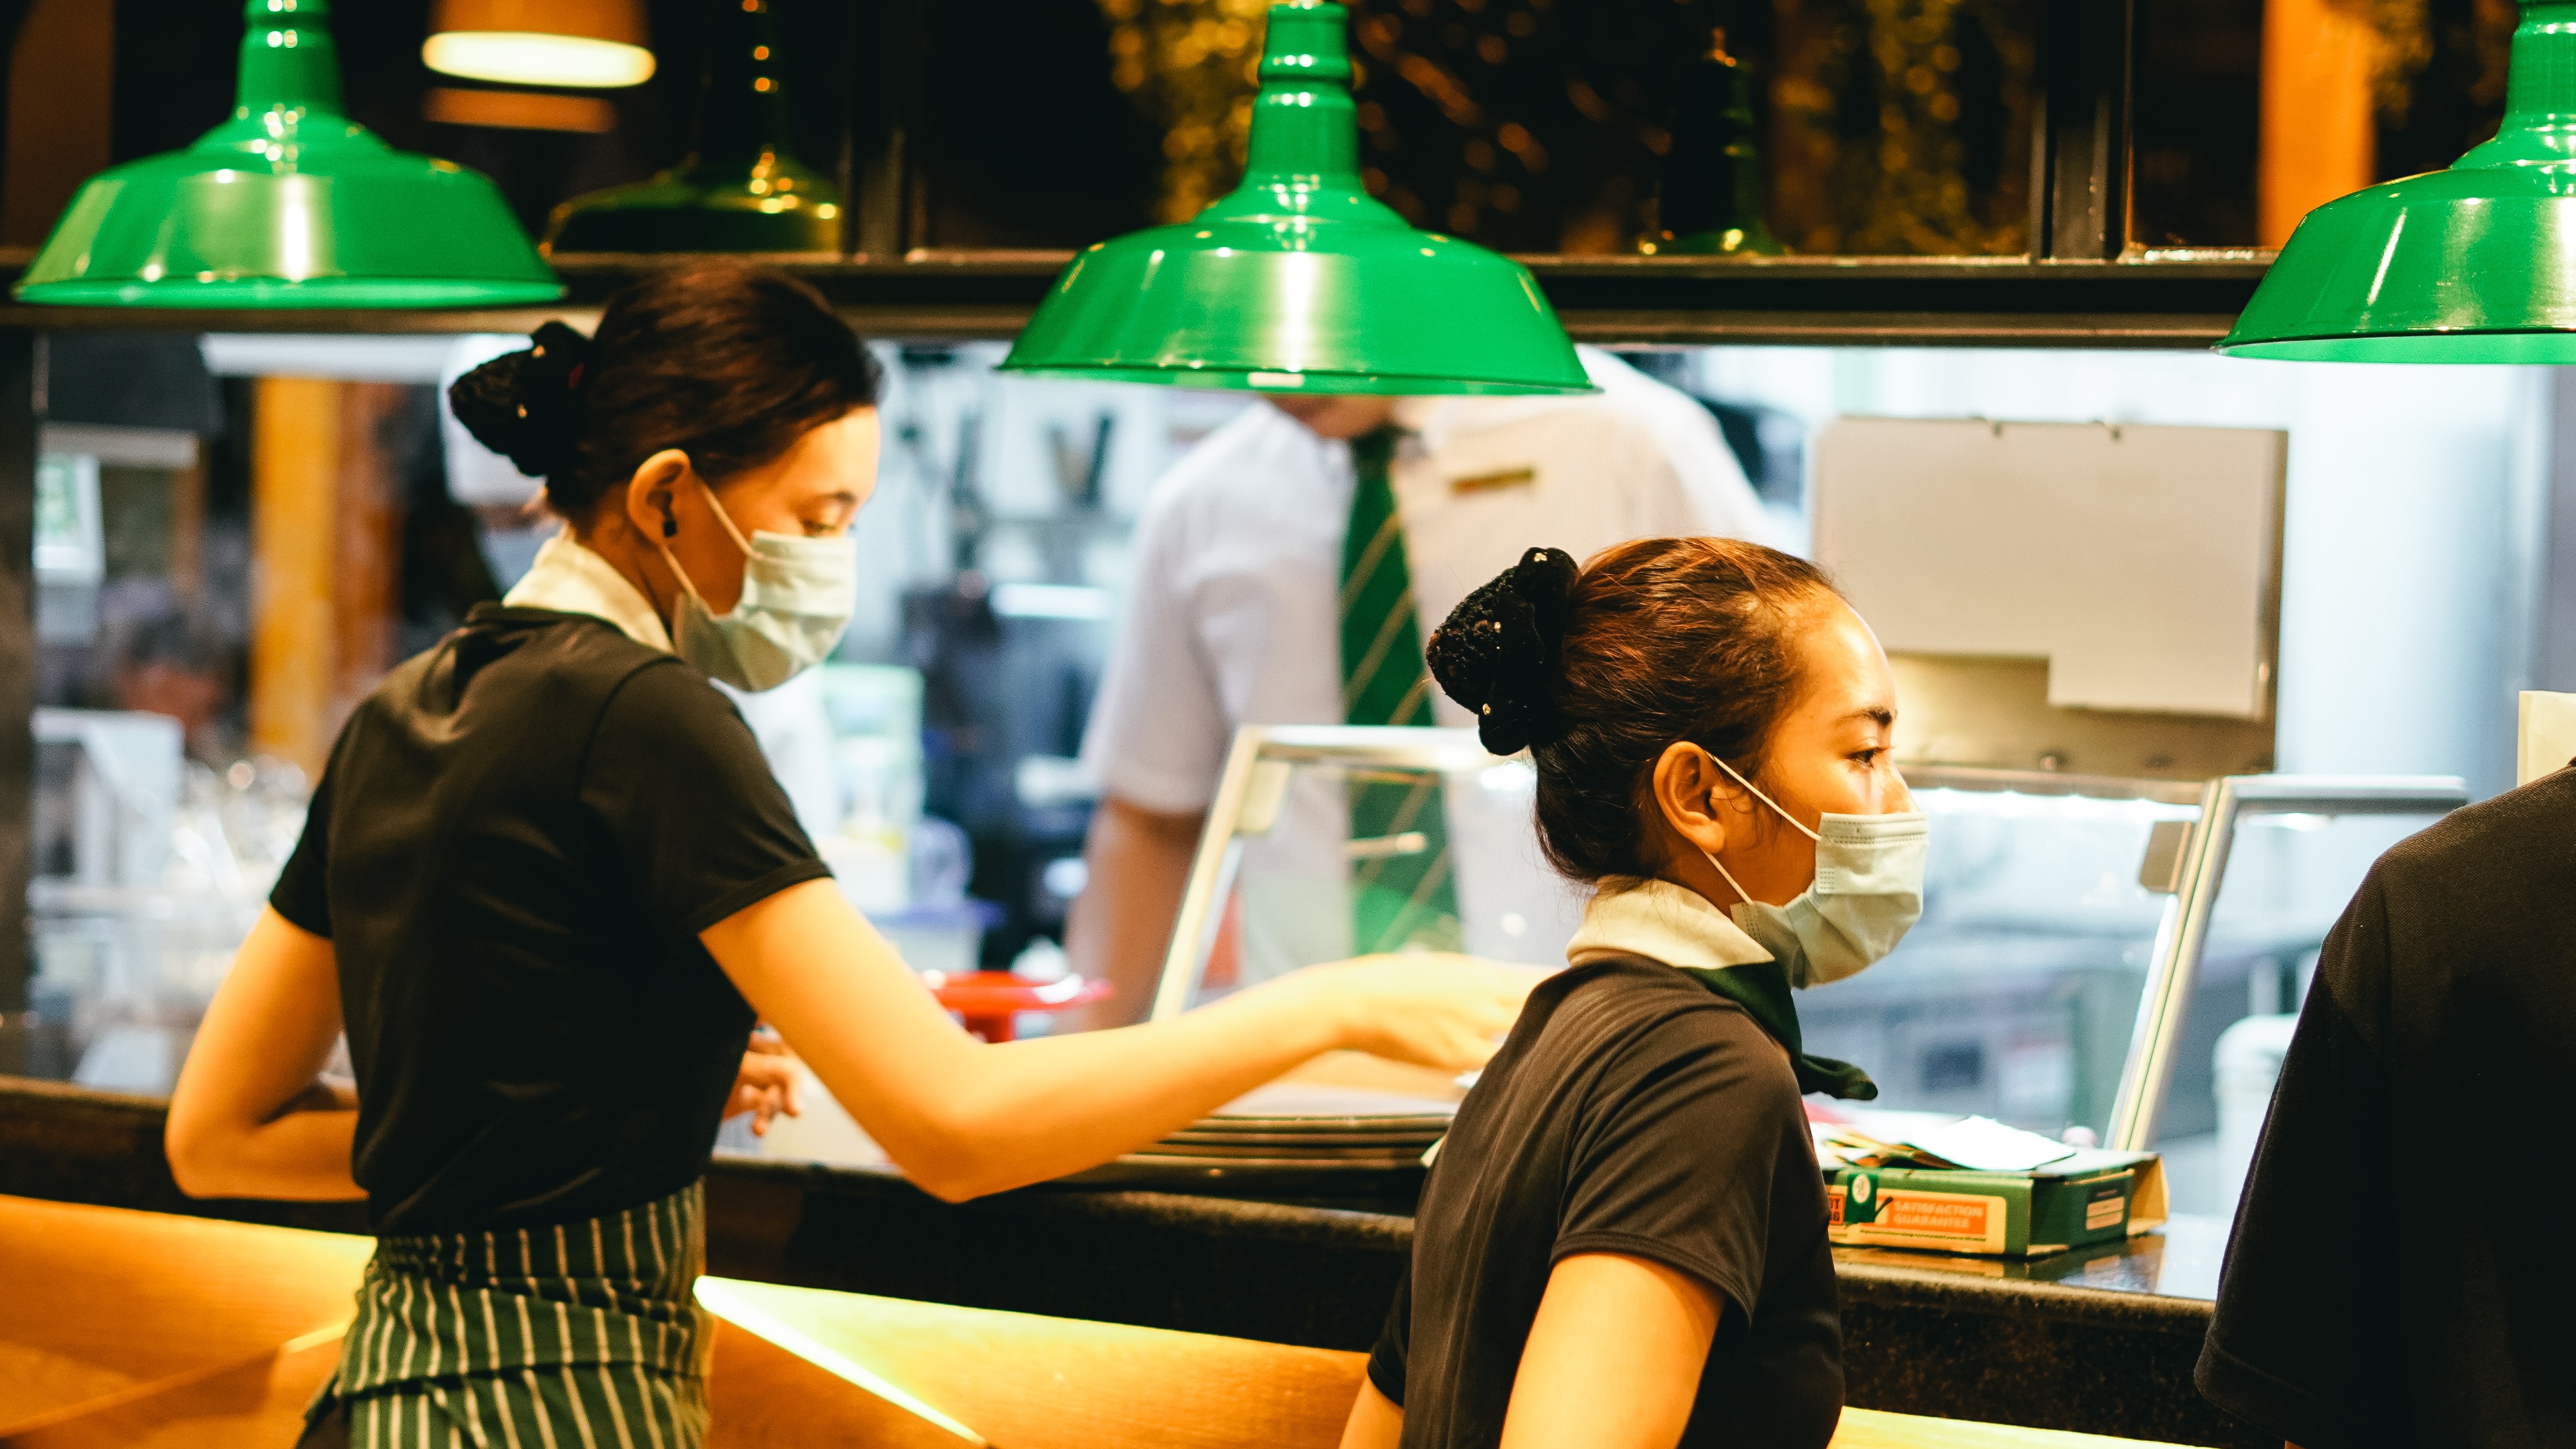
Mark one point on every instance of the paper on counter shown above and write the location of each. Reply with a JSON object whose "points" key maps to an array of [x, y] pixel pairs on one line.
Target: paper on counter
{"points": [[1982, 1144], [1976, 1144]]}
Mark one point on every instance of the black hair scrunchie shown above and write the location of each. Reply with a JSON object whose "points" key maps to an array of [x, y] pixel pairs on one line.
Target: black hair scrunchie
{"points": [[1497, 651], [526, 406]]}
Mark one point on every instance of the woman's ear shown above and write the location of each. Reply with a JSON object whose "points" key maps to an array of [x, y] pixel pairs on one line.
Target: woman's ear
{"points": [[652, 495], [1695, 798]]}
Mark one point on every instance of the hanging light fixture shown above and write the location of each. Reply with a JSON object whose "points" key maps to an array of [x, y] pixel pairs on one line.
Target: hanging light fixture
{"points": [[288, 204], [592, 44], [2473, 264], [1299, 281], [740, 189]]}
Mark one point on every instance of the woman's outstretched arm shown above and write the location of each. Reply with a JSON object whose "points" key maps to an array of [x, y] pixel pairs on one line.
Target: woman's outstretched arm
{"points": [[963, 1118], [250, 1117]]}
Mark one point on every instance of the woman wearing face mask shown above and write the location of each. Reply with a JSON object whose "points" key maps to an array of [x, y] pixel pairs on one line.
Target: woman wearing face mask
{"points": [[1622, 1243], [547, 881]]}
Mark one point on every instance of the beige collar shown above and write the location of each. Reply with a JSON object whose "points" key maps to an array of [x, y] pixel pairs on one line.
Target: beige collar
{"points": [[570, 579], [1661, 922]]}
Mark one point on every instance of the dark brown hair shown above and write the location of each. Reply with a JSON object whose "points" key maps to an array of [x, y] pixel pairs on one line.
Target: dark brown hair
{"points": [[1597, 672], [728, 363]]}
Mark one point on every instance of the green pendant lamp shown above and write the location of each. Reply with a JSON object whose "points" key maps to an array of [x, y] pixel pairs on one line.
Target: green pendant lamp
{"points": [[739, 189], [288, 204], [1299, 281], [2473, 264]]}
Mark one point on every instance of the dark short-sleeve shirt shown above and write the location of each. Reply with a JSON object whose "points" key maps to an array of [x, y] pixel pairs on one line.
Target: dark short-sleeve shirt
{"points": [[2394, 1277], [1631, 1111], [518, 837]]}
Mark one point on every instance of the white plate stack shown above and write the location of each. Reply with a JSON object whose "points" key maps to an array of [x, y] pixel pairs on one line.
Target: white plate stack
{"points": [[1292, 1138]]}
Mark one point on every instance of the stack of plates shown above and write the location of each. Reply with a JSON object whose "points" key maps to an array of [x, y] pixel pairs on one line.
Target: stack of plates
{"points": [[1294, 1140]]}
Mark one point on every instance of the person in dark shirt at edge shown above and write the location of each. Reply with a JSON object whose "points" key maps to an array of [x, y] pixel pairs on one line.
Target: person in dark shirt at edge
{"points": [[1622, 1242], [2393, 1279]]}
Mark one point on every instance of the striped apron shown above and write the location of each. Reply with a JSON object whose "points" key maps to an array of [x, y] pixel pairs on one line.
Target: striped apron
{"points": [[580, 1335]]}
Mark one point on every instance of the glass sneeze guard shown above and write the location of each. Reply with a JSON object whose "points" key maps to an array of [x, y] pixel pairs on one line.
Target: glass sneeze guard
{"points": [[2067, 924]]}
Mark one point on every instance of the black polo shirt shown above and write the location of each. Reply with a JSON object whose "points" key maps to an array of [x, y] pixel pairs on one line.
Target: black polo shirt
{"points": [[2395, 1276], [1632, 1110], [518, 837]]}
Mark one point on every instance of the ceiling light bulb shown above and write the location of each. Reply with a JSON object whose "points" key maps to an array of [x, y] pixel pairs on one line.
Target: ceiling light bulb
{"points": [[529, 58]]}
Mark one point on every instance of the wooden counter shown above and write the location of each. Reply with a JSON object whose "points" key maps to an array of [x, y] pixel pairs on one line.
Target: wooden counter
{"points": [[148, 1329], [2101, 1341]]}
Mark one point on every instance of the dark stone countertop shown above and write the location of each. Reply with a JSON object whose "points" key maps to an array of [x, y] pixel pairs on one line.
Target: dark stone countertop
{"points": [[2097, 1340]]}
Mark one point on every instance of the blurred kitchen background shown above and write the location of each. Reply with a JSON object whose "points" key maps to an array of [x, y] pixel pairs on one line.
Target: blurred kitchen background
{"points": [[198, 657]]}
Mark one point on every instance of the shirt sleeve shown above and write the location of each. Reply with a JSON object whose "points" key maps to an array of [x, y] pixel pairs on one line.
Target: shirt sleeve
{"points": [[1386, 1361], [1679, 1152], [688, 802], [1688, 483], [302, 894], [2299, 1344], [1159, 730]]}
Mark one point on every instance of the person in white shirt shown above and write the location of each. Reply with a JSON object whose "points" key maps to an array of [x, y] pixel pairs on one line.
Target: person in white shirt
{"points": [[1253, 603]]}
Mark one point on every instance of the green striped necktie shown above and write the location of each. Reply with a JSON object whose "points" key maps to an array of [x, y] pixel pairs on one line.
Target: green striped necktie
{"points": [[1401, 891]]}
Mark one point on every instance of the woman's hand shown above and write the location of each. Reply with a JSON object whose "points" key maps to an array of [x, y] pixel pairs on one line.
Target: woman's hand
{"points": [[1433, 1009], [766, 1084]]}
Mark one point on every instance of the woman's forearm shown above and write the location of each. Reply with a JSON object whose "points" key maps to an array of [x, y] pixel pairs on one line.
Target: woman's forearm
{"points": [[251, 1115], [1033, 1110], [963, 1119], [299, 1157]]}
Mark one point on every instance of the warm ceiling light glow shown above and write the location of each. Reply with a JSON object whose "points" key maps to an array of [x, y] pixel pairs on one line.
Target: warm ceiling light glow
{"points": [[527, 58]]}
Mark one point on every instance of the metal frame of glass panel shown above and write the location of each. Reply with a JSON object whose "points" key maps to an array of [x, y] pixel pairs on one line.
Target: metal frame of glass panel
{"points": [[1255, 781]]}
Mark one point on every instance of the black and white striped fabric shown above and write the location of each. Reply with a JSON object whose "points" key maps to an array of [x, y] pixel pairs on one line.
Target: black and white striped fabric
{"points": [[578, 1335]]}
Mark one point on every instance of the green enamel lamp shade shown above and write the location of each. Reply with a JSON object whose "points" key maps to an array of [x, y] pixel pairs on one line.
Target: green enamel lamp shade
{"points": [[288, 204], [739, 189], [2473, 264], [1299, 281]]}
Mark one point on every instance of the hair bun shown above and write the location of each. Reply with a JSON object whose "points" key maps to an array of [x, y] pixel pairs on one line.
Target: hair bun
{"points": [[1496, 653], [526, 406]]}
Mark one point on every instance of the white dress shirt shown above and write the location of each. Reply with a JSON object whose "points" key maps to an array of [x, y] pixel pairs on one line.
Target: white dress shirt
{"points": [[1232, 612]]}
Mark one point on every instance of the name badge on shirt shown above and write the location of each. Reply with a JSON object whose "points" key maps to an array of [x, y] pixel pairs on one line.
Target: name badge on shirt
{"points": [[1493, 482]]}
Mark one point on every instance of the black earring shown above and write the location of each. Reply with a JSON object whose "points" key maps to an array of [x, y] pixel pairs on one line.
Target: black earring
{"points": [[670, 526]]}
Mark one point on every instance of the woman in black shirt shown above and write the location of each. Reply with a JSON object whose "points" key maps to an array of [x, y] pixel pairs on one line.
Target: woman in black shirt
{"points": [[547, 880], [1622, 1243]]}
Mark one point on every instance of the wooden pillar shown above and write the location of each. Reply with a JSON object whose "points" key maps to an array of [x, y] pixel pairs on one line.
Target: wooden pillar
{"points": [[2318, 141], [367, 570], [295, 462], [325, 541]]}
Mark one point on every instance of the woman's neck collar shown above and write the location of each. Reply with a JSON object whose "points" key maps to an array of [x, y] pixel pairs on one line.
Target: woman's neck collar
{"points": [[618, 545], [1661, 921]]}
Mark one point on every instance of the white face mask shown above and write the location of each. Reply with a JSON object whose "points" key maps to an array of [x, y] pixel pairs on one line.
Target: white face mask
{"points": [[797, 596], [1868, 894]]}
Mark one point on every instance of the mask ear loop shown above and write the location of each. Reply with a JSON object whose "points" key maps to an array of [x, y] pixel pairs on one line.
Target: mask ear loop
{"points": [[671, 529], [1729, 876], [1767, 800]]}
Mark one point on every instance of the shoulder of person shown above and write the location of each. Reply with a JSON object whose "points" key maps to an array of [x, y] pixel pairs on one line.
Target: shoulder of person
{"points": [[663, 690], [1632, 416], [1244, 457], [1657, 1012], [1634, 404], [2509, 852], [555, 661]]}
